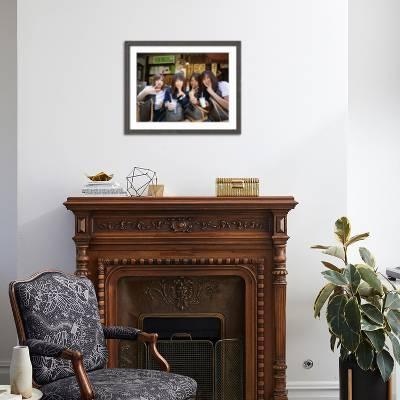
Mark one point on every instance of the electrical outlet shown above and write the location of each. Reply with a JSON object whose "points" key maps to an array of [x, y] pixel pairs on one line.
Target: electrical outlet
{"points": [[308, 364]]}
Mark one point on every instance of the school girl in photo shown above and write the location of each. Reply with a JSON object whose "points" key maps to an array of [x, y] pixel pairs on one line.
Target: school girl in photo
{"points": [[195, 84], [176, 99], [196, 110], [216, 94], [151, 100]]}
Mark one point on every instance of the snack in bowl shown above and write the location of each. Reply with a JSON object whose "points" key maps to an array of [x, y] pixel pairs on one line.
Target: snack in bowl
{"points": [[101, 176]]}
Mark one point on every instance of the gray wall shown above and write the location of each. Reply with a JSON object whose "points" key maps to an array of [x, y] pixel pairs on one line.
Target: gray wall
{"points": [[8, 173]]}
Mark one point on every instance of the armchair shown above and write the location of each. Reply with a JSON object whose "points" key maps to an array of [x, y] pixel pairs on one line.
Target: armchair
{"points": [[56, 316]]}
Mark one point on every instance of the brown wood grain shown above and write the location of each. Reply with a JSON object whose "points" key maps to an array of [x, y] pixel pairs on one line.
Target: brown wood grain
{"points": [[196, 236]]}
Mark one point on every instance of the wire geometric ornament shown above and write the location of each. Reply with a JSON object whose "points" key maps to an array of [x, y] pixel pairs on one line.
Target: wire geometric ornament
{"points": [[139, 179]]}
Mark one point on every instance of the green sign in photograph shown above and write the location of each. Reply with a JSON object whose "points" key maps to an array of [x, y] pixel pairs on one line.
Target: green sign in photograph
{"points": [[164, 59]]}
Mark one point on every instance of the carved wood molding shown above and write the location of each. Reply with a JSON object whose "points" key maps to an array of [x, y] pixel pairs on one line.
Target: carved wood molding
{"points": [[106, 265], [260, 331], [181, 224], [179, 261]]}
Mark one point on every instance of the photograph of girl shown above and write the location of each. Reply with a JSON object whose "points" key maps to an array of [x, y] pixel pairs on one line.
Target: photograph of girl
{"points": [[183, 87]]}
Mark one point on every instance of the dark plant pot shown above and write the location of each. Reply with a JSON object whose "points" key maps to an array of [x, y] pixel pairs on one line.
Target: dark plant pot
{"points": [[367, 385]]}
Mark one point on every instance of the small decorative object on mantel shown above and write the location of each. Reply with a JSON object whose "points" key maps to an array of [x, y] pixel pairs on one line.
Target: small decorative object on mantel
{"points": [[21, 372], [101, 176], [139, 180], [237, 187], [156, 190], [102, 185]]}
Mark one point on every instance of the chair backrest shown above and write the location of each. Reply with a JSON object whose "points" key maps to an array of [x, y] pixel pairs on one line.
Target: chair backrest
{"points": [[61, 309]]}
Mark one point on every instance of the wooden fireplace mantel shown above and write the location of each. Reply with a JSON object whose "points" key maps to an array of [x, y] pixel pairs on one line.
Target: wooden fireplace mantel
{"points": [[193, 235]]}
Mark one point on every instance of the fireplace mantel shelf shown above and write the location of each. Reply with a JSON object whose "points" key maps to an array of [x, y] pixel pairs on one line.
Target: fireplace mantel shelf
{"points": [[205, 202], [191, 237]]}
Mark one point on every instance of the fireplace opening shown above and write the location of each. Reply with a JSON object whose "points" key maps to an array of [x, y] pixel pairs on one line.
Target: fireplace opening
{"points": [[178, 326], [200, 321], [195, 346]]}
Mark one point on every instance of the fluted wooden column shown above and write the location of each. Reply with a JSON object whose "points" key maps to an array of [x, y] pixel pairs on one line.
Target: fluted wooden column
{"points": [[279, 273]]}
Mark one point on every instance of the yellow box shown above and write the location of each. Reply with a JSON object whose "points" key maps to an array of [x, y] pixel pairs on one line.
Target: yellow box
{"points": [[237, 187]]}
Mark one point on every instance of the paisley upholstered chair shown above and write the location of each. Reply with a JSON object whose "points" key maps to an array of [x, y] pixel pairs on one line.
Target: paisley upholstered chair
{"points": [[57, 317]]}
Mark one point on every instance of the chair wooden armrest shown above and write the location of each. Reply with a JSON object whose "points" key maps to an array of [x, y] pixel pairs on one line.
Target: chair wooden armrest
{"points": [[42, 348], [151, 338], [129, 333]]}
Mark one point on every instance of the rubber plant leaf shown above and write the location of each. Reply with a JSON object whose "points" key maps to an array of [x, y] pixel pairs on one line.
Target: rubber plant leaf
{"points": [[335, 314], [335, 277], [367, 325], [369, 276], [392, 301], [365, 355], [385, 364], [393, 318], [353, 277], [357, 238], [372, 313], [367, 257], [331, 266], [343, 229], [332, 342], [396, 347], [377, 339], [352, 314], [335, 251], [322, 297], [350, 339]]}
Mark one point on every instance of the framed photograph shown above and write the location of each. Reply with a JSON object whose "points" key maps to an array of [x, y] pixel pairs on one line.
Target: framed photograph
{"points": [[182, 87]]}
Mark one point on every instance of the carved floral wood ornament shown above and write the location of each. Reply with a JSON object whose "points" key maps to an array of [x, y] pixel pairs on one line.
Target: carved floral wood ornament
{"points": [[181, 292], [181, 225], [183, 244]]}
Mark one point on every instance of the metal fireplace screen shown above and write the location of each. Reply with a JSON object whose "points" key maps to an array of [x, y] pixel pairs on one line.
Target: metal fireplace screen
{"points": [[194, 345], [216, 367]]}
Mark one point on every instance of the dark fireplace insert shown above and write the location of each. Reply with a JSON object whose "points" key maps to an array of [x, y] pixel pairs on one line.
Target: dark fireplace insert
{"points": [[194, 345], [200, 323]]}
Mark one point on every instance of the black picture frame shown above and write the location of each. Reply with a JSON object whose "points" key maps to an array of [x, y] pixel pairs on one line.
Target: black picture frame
{"points": [[127, 85]]}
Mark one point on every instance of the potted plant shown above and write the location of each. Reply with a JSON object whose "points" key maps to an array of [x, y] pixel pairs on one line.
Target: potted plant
{"points": [[363, 316]]}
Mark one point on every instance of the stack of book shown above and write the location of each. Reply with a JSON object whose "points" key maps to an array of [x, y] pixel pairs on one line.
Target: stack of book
{"points": [[104, 189]]}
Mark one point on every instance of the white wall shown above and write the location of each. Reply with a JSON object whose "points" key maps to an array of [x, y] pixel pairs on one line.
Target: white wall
{"points": [[8, 171], [374, 124], [294, 98]]}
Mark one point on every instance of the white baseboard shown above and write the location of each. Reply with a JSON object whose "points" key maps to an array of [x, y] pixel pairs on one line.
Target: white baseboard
{"points": [[4, 372], [324, 390]]}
